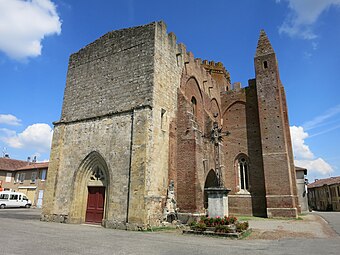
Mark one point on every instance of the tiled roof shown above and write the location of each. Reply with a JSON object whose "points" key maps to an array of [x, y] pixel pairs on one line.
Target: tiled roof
{"points": [[322, 182], [9, 164], [34, 166]]}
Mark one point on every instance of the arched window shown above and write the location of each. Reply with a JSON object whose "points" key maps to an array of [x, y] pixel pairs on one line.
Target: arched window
{"points": [[193, 106], [243, 173]]}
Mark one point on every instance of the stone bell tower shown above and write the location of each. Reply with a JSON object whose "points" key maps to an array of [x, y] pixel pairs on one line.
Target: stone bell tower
{"points": [[278, 165]]}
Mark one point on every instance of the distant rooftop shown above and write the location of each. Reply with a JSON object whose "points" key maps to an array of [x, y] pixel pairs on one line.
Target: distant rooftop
{"points": [[322, 182], [8, 164], [34, 166], [11, 164]]}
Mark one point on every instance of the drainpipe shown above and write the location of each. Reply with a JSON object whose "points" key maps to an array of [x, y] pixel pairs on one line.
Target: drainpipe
{"points": [[130, 166]]}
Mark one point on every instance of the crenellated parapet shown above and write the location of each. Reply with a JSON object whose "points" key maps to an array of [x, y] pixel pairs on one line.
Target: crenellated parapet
{"points": [[216, 68], [212, 74]]}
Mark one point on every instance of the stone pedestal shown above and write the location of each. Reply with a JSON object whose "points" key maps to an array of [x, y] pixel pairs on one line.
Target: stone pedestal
{"points": [[217, 201]]}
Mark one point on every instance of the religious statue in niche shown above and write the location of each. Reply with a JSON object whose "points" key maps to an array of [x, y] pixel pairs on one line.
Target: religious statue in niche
{"points": [[170, 209]]}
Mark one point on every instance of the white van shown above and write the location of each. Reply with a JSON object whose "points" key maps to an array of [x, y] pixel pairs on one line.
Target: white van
{"points": [[14, 199]]}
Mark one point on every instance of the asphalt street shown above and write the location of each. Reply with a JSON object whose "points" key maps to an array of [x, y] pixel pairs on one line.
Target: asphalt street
{"points": [[333, 219], [21, 232]]}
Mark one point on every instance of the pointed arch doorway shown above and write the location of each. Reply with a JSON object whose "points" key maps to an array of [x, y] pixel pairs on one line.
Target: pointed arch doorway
{"points": [[96, 197], [91, 189]]}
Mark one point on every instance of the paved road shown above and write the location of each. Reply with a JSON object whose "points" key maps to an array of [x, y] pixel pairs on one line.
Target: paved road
{"points": [[27, 235], [333, 219]]}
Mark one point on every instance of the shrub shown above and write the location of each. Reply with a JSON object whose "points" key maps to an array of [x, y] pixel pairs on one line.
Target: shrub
{"points": [[193, 224], [201, 226], [217, 221], [242, 226], [209, 222], [231, 219], [212, 222], [223, 229]]}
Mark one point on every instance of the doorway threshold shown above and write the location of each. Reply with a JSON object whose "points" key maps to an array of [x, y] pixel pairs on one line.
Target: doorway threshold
{"points": [[92, 225]]}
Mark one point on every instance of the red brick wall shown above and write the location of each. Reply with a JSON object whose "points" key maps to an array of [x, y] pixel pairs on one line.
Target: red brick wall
{"points": [[194, 151], [256, 117], [240, 118], [276, 146]]}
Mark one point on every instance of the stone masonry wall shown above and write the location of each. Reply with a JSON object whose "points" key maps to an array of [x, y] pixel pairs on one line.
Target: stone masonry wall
{"points": [[139, 208], [168, 66], [112, 74], [110, 137], [109, 90]]}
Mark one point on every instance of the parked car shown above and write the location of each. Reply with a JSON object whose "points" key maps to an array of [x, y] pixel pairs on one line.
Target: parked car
{"points": [[14, 199]]}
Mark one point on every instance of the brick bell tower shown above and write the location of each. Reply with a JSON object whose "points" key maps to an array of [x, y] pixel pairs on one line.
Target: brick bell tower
{"points": [[278, 164]]}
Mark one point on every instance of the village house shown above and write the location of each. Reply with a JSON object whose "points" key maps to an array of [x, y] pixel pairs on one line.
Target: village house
{"points": [[24, 176], [324, 194]]}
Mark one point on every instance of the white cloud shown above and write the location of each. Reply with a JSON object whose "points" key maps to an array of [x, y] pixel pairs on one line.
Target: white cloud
{"points": [[316, 166], [301, 150], [304, 157], [37, 136], [303, 14], [24, 24], [9, 119]]}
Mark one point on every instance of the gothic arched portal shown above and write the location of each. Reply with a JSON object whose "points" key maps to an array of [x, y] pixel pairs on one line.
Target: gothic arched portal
{"points": [[91, 184]]}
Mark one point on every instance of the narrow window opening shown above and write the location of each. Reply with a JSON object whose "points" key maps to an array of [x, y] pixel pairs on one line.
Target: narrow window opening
{"points": [[242, 176], [265, 64], [163, 111], [179, 59], [193, 106]]}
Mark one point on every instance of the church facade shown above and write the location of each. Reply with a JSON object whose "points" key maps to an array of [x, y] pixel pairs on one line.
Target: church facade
{"points": [[140, 113]]}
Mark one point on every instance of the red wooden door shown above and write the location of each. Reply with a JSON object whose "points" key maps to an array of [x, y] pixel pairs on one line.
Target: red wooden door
{"points": [[95, 205]]}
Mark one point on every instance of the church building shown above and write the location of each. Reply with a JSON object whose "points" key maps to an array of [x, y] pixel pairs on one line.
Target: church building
{"points": [[143, 118]]}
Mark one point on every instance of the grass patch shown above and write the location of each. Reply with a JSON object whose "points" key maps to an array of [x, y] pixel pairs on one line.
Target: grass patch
{"points": [[283, 218], [247, 218]]}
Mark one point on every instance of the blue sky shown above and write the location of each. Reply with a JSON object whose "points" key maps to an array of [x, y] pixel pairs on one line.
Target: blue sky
{"points": [[37, 37]]}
